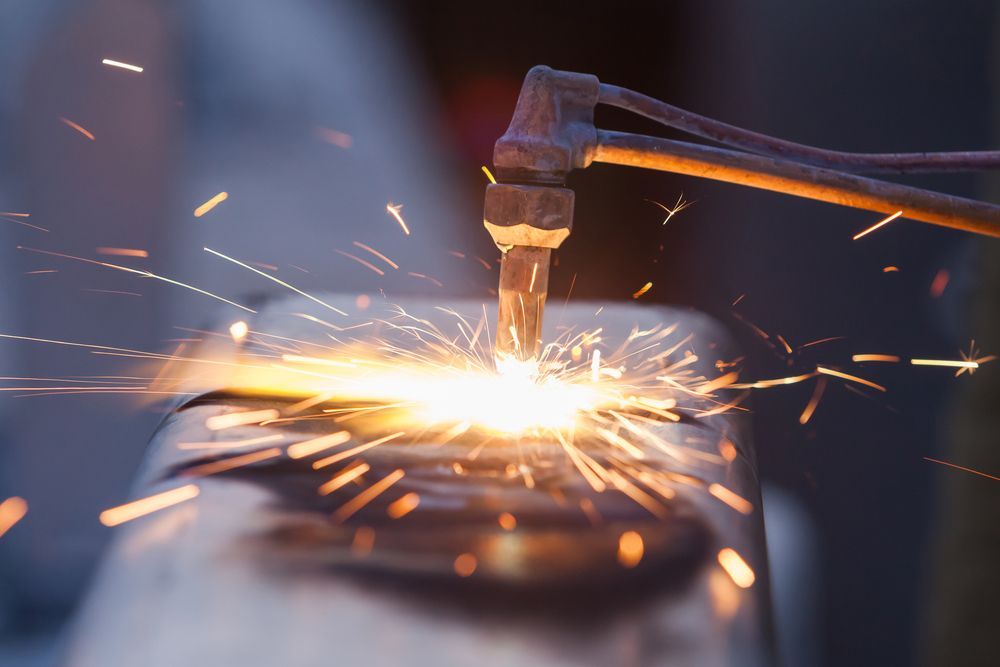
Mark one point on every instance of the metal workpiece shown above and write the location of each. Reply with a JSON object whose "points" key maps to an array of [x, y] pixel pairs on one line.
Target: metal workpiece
{"points": [[257, 557], [552, 130]]}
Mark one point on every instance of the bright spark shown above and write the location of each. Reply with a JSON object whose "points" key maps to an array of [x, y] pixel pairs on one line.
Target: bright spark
{"points": [[79, 128], [138, 272], [394, 211], [121, 65], [210, 204], [122, 252], [276, 280], [953, 363], [630, 549], [642, 290], [887, 358], [154, 503], [238, 331], [671, 211], [489, 174], [880, 223], [12, 510], [736, 568]]}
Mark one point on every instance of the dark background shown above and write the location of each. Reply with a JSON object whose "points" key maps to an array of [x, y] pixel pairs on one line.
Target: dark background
{"points": [[887, 76]]}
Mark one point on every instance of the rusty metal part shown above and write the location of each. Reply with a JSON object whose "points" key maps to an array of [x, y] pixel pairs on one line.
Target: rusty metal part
{"points": [[552, 130], [762, 144], [524, 286], [528, 215], [797, 179]]}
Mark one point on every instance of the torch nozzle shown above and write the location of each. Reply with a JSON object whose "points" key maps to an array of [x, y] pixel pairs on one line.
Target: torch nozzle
{"points": [[524, 286]]}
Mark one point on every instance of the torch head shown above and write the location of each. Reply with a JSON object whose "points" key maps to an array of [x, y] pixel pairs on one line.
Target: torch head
{"points": [[529, 213]]}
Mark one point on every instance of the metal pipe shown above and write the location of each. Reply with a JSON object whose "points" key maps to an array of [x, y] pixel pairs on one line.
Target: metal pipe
{"points": [[797, 179], [762, 144]]}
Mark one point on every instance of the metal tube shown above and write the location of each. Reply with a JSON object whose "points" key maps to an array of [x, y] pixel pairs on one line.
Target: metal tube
{"points": [[762, 144], [797, 179], [524, 285]]}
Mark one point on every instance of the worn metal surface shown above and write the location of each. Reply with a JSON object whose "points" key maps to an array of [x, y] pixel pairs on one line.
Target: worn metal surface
{"points": [[552, 130], [254, 572]]}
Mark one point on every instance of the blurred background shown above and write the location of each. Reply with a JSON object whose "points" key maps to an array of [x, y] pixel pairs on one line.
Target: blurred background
{"points": [[313, 114]]}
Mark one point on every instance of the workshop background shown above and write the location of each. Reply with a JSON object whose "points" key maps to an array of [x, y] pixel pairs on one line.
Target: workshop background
{"points": [[237, 96]]}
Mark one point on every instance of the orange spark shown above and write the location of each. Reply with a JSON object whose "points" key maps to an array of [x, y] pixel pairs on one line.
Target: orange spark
{"points": [[888, 358], [489, 174], [507, 521], [403, 506], [339, 139], [364, 541], [79, 128], [231, 444], [119, 64], [16, 215], [849, 378], [426, 277], [737, 502], [12, 510], [890, 269], [143, 506], [465, 565], [315, 445], [642, 290], [880, 223], [219, 422], [348, 509], [360, 261], [630, 549], [210, 204], [736, 568], [945, 463], [122, 252], [394, 211], [813, 403], [238, 330], [939, 283], [345, 476], [376, 253], [232, 463], [777, 382], [346, 454]]}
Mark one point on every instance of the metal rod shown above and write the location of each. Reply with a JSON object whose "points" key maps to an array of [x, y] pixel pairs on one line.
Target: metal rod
{"points": [[797, 179], [762, 144]]}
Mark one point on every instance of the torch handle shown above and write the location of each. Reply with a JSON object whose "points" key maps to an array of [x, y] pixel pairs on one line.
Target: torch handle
{"points": [[794, 178]]}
